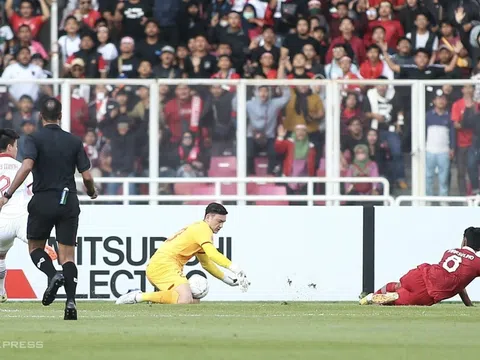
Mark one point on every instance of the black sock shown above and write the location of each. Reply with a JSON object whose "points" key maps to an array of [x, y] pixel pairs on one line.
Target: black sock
{"points": [[42, 261], [70, 273]]}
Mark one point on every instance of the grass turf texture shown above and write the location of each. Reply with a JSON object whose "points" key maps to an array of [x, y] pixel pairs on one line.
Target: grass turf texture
{"points": [[242, 331]]}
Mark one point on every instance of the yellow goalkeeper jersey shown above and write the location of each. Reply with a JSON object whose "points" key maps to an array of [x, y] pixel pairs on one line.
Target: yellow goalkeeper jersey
{"points": [[182, 246]]}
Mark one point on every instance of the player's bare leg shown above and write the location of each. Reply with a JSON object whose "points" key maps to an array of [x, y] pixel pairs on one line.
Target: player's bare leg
{"points": [[66, 257], [3, 274], [43, 262]]}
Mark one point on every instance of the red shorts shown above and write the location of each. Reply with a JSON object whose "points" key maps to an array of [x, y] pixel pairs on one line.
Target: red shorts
{"points": [[413, 290]]}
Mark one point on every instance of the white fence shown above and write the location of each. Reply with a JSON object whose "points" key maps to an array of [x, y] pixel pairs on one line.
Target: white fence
{"points": [[332, 101]]}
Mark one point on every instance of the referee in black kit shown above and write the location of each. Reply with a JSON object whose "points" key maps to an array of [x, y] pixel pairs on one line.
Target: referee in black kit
{"points": [[52, 155]]}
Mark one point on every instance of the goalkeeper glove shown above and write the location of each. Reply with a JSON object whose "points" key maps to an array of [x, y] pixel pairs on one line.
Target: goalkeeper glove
{"points": [[241, 277], [243, 282]]}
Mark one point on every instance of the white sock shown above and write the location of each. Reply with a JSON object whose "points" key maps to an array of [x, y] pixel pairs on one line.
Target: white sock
{"points": [[3, 273]]}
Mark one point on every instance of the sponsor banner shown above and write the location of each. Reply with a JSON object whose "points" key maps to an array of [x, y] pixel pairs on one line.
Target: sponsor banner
{"points": [[406, 237], [288, 253]]}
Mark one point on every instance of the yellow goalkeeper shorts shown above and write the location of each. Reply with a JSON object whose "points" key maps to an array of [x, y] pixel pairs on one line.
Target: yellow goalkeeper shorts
{"points": [[165, 276]]}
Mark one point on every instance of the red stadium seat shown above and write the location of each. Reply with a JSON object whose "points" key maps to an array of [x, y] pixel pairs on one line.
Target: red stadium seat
{"points": [[202, 189], [186, 189], [225, 166], [261, 166], [270, 189], [229, 189]]}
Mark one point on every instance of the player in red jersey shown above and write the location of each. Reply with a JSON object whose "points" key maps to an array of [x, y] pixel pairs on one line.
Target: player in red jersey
{"points": [[429, 284]]}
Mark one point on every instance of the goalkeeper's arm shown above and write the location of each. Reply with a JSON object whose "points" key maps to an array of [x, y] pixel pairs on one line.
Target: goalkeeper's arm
{"points": [[209, 266], [218, 258]]}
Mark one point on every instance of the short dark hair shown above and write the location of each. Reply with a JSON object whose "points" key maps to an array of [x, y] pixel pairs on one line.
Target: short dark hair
{"points": [[267, 27], [346, 18], [215, 208], [51, 109], [70, 17], [353, 119], [472, 234], [152, 21], [423, 51], [26, 97], [374, 47], [378, 27], [202, 35], [7, 137], [24, 26], [403, 38]]}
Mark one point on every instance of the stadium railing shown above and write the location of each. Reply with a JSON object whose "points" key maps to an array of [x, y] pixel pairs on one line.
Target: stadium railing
{"points": [[332, 100], [310, 198]]}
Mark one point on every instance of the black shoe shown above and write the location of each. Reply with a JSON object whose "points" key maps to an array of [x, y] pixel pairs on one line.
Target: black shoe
{"points": [[70, 310], [55, 283]]}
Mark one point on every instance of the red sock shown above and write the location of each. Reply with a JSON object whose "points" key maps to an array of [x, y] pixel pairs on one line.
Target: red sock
{"points": [[390, 287]]}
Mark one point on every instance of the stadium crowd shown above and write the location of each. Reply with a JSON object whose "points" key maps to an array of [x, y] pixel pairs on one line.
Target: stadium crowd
{"points": [[259, 39]]}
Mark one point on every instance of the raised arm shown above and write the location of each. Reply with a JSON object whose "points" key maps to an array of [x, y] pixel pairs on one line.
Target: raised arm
{"points": [[9, 8], [457, 48], [395, 67], [45, 10]]}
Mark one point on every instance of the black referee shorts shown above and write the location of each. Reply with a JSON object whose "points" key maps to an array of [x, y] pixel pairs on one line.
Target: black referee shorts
{"points": [[45, 212]]}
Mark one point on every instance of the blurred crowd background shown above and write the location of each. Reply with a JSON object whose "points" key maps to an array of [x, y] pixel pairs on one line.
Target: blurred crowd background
{"points": [[254, 39]]}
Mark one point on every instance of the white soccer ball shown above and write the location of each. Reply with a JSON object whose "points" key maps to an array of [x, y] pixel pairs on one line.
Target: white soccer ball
{"points": [[199, 286]]}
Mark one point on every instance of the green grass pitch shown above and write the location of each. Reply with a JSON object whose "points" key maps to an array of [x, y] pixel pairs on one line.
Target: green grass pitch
{"points": [[241, 331]]}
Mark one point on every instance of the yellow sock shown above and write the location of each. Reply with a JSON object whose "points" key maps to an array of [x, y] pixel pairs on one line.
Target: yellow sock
{"points": [[161, 297]]}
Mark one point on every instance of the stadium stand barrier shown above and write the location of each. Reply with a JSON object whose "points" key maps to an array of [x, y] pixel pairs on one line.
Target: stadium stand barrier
{"points": [[332, 104]]}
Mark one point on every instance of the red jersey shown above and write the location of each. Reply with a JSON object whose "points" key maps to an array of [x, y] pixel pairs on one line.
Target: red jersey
{"points": [[452, 274], [34, 23], [464, 136]]}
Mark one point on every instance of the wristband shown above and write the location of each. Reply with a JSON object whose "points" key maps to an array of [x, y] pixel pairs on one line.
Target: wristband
{"points": [[6, 195], [234, 268]]}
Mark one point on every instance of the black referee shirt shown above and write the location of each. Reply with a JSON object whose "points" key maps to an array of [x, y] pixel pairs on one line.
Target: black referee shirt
{"points": [[56, 154]]}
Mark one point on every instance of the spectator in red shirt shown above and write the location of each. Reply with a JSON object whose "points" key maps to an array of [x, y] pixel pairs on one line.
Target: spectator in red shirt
{"points": [[79, 119], [225, 69], [465, 152], [26, 16], [182, 113], [86, 14], [336, 19], [356, 44], [266, 66], [346, 66], [250, 23], [298, 70], [393, 28], [374, 67], [398, 4], [95, 65], [350, 110], [299, 156]]}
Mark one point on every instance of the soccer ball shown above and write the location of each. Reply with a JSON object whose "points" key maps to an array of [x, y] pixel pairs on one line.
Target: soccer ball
{"points": [[199, 286]]}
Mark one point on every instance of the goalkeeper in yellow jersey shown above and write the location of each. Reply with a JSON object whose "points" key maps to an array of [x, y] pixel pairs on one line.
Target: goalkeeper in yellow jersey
{"points": [[165, 269]]}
